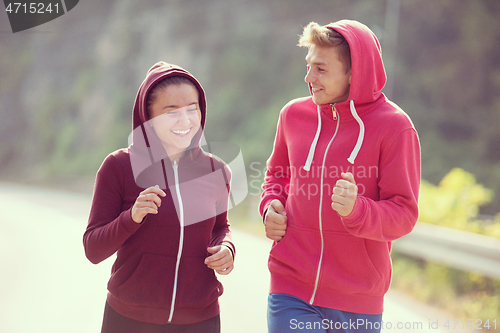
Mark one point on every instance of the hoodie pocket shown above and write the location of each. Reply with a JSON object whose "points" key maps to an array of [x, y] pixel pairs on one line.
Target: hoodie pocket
{"points": [[198, 286], [296, 255], [347, 267], [150, 285]]}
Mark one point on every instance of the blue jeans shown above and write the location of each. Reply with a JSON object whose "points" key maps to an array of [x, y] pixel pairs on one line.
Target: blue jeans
{"points": [[287, 313]]}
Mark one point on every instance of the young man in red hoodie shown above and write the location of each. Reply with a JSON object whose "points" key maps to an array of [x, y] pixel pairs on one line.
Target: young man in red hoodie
{"points": [[342, 182]]}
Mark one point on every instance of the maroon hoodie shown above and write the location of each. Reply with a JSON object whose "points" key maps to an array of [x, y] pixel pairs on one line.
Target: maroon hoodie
{"points": [[327, 260], [159, 275]]}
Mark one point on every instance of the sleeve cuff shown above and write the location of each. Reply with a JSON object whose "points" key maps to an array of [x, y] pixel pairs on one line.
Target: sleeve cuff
{"points": [[357, 212], [128, 223], [230, 247]]}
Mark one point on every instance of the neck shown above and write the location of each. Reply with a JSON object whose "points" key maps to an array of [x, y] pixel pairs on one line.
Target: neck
{"points": [[175, 156]]}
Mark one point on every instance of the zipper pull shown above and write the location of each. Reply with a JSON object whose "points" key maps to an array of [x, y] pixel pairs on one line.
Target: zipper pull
{"points": [[334, 112]]}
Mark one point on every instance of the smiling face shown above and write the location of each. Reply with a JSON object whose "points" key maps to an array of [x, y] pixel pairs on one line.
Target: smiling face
{"points": [[327, 75], [176, 117]]}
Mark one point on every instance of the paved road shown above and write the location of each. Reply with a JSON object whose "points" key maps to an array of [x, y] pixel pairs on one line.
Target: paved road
{"points": [[48, 286]]}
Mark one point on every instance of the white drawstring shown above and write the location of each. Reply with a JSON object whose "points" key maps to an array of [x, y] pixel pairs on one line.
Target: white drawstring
{"points": [[356, 148], [361, 135], [307, 166]]}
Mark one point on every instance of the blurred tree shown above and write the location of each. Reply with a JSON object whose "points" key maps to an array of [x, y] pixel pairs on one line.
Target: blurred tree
{"points": [[448, 70], [455, 202]]}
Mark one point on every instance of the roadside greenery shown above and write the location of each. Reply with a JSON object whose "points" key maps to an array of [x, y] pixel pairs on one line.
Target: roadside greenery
{"points": [[462, 294], [454, 203]]}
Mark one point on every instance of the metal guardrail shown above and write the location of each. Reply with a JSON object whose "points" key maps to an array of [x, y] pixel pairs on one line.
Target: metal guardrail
{"points": [[455, 248]]}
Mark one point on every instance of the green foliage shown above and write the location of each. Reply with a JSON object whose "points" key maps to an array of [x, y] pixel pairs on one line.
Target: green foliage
{"points": [[448, 82], [463, 294], [455, 203]]}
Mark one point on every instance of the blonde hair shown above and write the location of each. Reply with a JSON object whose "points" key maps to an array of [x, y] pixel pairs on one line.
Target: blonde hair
{"points": [[322, 36]]}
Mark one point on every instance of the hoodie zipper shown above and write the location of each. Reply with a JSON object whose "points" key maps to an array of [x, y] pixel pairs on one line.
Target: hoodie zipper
{"points": [[334, 112], [181, 239], [335, 117]]}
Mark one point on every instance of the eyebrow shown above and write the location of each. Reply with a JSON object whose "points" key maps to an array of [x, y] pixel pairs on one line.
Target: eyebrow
{"points": [[316, 63], [177, 107]]}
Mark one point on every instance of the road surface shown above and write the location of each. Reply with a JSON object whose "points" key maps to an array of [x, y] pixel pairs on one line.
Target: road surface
{"points": [[48, 286]]}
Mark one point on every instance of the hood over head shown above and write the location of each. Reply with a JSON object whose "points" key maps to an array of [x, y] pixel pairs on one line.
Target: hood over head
{"points": [[145, 147], [367, 79], [367, 69]]}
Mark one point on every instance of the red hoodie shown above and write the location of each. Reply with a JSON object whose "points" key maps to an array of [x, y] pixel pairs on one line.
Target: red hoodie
{"points": [[324, 259], [159, 275]]}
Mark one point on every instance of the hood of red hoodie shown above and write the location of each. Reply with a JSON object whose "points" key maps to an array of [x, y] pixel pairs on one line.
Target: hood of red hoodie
{"points": [[367, 69], [146, 148], [367, 80]]}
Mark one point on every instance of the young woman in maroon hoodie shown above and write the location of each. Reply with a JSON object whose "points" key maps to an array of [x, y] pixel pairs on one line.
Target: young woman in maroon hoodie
{"points": [[161, 206]]}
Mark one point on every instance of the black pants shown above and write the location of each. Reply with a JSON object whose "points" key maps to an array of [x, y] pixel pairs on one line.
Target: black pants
{"points": [[113, 322]]}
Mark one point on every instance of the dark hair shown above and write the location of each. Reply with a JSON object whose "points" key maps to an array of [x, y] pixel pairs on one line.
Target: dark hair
{"points": [[162, 84]]}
